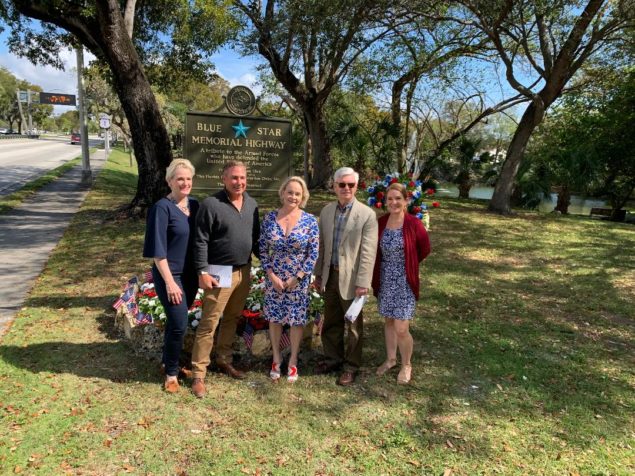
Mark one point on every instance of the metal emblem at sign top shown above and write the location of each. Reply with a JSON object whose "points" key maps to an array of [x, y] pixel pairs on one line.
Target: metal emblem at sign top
{"points": [[240, 101]]}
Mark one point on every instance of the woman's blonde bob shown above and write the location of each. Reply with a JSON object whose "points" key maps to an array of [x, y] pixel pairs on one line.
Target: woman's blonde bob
{"points": [[305, 189], [175, 164]]}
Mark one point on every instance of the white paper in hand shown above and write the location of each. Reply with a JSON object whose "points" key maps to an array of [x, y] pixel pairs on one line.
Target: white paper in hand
{"points": [[222, 274], [355, 308]]}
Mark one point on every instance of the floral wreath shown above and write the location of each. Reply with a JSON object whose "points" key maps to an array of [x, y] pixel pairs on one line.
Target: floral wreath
{"points": [[376, 194]]}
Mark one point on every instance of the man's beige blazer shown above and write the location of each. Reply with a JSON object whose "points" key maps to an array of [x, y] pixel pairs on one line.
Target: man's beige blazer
{"points": [[357, 250]]}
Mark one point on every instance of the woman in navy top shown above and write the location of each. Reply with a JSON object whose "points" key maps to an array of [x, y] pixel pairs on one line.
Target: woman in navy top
{"points": [[169, 238]]}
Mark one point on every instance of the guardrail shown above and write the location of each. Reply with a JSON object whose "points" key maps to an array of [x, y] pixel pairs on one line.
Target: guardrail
{"points": [[19, 136]]}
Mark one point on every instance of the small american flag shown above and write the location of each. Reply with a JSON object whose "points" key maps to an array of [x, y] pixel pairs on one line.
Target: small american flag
{"points": [[148, 276], [127, 296], [284, 340], [132, 307], [143, 318], [248, 335]]}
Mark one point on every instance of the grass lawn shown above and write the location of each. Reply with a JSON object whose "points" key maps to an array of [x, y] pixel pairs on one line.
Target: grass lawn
{"points": [[523, 364]]}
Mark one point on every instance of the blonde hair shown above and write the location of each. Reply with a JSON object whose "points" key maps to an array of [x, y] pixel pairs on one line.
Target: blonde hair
{"points": [[299, 180], [175, 164]]}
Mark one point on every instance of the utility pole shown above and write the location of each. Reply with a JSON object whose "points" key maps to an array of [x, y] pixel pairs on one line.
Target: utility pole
{"points": [[28, 108], [83, 124]]}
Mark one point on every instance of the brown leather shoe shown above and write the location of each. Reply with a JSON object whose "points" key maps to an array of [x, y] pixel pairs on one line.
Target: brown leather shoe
{"points": [[171, 385], [230, 370], [347, 378], [198, 388]]}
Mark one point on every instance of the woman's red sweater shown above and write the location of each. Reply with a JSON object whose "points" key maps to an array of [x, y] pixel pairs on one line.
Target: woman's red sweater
{"points": [[416, 248]]}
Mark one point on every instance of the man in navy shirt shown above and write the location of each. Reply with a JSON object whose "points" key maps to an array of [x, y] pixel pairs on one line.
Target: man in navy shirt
{"points": [[227, 232]]}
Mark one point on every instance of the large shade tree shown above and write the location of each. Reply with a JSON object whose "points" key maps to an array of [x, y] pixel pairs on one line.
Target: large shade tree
{"points": [[124, 35], [310, 47], [541, 46]]}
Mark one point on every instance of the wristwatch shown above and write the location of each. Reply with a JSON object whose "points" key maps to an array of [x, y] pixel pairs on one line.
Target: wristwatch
{"points": [[201, 273]]}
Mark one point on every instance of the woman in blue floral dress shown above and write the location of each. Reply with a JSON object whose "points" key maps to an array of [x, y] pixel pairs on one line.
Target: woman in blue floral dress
{"points": [[403, 244], [289, 241]]}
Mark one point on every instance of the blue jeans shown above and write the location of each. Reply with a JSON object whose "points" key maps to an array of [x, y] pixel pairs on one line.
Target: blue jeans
{"points": [[177, 320]]}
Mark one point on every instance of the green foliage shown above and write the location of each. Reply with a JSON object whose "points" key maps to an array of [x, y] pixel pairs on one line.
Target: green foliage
{"points": [[9, 111], [587, 144], [361, 133]]}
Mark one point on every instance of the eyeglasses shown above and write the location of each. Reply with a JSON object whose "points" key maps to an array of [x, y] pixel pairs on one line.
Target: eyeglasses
{"points": [[346, 184]]}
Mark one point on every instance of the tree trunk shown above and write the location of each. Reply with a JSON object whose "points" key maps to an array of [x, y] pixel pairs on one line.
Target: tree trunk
{"points": [[105, 35], [500, 202], [564, 200], [149, 135], [464, 190], [463, 183], [320, 147]]}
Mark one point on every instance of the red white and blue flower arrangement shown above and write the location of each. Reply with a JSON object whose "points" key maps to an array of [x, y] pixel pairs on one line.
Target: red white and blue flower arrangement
{"points": [[417, 206], [146, 307]]}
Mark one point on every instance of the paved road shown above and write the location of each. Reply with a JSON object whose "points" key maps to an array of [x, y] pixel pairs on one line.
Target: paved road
{"points": [[29, 233], [22, 160]]}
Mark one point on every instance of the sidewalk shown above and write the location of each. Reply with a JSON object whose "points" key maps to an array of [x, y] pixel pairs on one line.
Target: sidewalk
{"points": [[31, 231]]}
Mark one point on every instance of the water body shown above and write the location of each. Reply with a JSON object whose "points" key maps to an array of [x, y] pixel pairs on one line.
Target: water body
{"points": [[578, 206]]}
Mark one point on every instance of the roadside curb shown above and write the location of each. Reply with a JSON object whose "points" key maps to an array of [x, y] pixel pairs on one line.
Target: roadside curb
{"points": [[29, 233]]}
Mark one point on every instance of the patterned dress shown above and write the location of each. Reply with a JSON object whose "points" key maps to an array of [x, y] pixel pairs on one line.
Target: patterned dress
{"points": [[287, 256], [396, 299]]}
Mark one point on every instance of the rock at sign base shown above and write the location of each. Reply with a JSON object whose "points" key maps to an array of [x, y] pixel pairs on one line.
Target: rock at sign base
{"points": [[261, 345]]}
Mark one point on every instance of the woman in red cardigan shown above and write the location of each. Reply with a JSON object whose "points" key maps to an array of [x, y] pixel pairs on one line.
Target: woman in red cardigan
{"points": [[403, 244]]}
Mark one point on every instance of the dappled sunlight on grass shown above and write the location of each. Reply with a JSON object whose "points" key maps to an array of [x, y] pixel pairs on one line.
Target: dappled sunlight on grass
{"points": [[523, 363]]}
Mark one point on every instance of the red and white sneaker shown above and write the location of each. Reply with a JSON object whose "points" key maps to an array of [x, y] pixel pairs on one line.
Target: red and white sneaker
{"points": [[293, 374], [274, 373]]}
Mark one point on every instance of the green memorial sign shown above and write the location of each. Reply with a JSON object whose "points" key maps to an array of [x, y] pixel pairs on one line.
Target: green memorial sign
{"points": [[263, 143]]}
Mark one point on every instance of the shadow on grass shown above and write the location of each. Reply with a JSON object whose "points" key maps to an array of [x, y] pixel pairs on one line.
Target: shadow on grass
{"points": [[106, 360]]}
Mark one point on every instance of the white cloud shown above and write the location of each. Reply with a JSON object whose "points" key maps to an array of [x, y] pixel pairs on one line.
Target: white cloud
{"points": [[236, 69], [48, 78]]}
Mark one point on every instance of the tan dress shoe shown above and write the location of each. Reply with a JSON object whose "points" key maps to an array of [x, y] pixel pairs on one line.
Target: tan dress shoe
{"points": [[171, 385], [405, 374], [198, 388], [346, 379]]}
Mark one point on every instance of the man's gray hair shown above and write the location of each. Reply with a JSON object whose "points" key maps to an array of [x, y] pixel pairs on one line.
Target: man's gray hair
{"points": [[344, 171]]}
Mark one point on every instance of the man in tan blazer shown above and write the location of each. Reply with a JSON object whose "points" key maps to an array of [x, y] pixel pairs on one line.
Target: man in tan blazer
{"points": [[344, 269]]}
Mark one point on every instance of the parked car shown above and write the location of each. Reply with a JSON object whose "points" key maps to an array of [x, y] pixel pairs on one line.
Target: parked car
{"points": [[4, 130], [76, 138]]}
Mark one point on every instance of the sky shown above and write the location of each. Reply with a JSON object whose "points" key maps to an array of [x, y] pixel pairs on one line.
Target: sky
{"points": [[230, 65]]}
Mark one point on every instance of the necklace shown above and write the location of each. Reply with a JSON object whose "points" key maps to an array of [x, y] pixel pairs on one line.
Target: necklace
{"points": [[184, 208]]}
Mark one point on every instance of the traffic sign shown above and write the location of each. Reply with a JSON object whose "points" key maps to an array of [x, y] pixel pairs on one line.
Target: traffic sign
{"points": [[104, 122]]}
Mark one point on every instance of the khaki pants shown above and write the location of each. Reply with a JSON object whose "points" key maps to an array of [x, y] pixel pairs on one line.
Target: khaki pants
{"points": [[335, 324], [225, 302]]}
